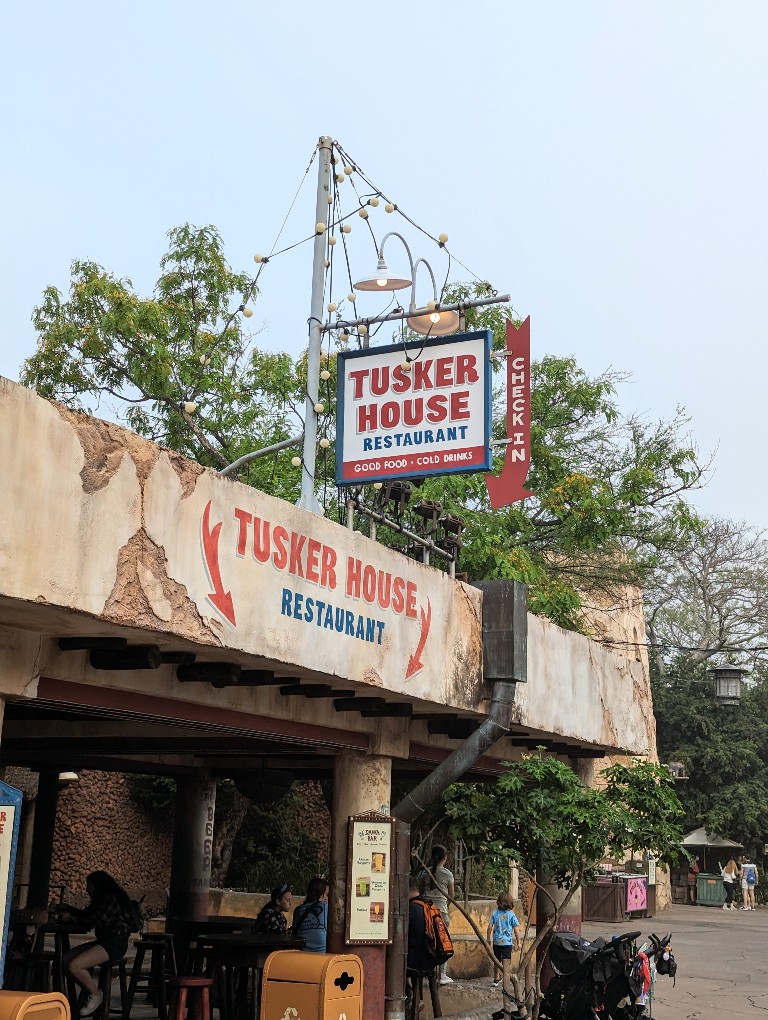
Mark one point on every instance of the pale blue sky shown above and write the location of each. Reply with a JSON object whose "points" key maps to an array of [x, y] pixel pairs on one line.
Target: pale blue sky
{"points": [[604, 162]]}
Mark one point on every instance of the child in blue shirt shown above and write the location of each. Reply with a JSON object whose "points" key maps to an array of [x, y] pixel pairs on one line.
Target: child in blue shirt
{"points": [[503, 932]]}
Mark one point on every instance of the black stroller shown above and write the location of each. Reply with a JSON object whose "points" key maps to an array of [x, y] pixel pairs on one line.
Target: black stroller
{"points": [[602, 980]]}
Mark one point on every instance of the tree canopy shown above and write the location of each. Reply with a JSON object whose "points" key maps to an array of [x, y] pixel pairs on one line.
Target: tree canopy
{"points": [[181, 368]]}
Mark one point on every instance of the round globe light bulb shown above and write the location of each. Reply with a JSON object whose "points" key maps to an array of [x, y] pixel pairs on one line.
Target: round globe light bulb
{"points": [[247, 312], [258, 258], [325, 375], [432, 304], [363, 214], [325, 443], [406, 366], [331, 241], [326, 263], [377, 485], [389, 207], [352, 296], [319, 408], [330, 200], [344, 336], [362, 329], [332, 306], [382, 283], [373, 201], [347, 229], [340, 178], [190, 406], [205, 359], [296, 461], [319, 228], [348, 169], [442, 238]]}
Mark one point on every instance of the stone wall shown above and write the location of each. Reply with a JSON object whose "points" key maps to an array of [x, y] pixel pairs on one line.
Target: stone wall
{"points": [[99, 826]]}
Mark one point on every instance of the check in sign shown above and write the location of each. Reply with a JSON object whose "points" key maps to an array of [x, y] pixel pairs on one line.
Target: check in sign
{"points": [[432, 420]]}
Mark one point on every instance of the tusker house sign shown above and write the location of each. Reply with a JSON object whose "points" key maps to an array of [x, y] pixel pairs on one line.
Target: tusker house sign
{"points": [[298, 589], [415, 409]]}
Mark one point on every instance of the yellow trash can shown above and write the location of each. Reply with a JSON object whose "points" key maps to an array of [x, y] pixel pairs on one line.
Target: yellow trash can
{"points": [[311, 986], [33, 1006]]}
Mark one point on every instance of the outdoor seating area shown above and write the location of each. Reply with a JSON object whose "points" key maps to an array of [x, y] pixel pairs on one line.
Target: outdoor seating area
{"points": [[207, 965]]}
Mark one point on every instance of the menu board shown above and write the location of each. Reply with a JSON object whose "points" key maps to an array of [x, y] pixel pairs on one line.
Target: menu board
{"points": [[10, 815], [369, 880]]}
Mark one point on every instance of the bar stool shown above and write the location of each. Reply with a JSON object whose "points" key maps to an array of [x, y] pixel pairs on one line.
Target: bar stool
{"points": [[105, 987], [162, 965], [416, 978], [199, 991]]}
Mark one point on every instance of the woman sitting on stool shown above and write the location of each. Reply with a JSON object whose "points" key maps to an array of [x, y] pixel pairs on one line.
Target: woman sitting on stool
{"points": [[109, 911]]}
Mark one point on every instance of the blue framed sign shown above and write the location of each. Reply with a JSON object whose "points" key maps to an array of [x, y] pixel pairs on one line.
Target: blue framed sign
{"points": [[416, 409], [10, 820]]}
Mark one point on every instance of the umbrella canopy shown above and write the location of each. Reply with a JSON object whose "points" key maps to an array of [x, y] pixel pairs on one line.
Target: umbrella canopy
{"points": [[701, 838]]}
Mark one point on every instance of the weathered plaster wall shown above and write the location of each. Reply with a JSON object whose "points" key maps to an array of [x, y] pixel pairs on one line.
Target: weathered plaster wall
{"points": [[579, 688]]}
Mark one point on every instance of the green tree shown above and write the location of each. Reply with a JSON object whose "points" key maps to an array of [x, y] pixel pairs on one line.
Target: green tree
{"points": [[541, 816], [178, 367], [724, 750]]}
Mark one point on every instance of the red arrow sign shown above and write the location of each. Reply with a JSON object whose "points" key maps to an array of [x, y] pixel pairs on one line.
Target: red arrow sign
{"points": [[508, 488], [221, 599], [414, 662]]}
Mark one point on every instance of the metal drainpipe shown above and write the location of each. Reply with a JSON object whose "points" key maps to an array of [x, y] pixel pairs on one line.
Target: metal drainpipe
{"points": [[493, 727], [505, 661]]}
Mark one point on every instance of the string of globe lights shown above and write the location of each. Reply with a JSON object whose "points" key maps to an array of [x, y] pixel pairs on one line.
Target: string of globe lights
{"points": [[326, 323]]}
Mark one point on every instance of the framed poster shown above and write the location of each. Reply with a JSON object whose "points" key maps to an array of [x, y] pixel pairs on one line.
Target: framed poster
{"points": [[369, 880], [651, 871], [637, 894]]}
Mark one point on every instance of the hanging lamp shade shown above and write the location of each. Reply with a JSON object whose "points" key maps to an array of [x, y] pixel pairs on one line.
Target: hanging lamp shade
{"points": [[383, 280], [434, 323]]}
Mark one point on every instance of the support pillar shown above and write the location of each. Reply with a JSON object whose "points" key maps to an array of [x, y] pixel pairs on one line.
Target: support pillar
{"points": [[42, 839], [192, 846], [361, 782]]}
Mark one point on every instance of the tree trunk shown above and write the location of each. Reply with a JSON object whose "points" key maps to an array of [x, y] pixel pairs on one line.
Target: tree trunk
{"points": [[224, 834]]}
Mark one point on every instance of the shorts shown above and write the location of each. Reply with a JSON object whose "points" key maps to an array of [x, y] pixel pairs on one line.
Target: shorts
{"points": [[745, 884], [502, 952], [116, 946]]}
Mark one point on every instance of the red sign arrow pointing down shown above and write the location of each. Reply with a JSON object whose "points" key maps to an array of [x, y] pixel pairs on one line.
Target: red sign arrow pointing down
{"points": [[508, 488], [414, 662], [221, 599]]}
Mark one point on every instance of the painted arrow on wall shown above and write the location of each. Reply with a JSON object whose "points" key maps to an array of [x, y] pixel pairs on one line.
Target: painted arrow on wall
{"points": [[220, 599], [414, 662]]}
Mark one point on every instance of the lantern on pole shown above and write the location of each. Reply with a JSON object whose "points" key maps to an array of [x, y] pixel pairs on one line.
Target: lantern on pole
{"points": [[728, 684]]}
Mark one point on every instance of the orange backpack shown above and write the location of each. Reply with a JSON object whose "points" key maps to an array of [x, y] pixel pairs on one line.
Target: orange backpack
{"points": [[438, 941]]}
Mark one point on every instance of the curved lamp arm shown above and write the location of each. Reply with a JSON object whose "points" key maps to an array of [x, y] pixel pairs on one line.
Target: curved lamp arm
{"points": [[414, 267], [394, 233]]}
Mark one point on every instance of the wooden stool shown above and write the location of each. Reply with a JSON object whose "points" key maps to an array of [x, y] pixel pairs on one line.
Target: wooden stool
{"points": [[161, 967], [35, 971], [200, 998], [105, 987], [416, 978]]}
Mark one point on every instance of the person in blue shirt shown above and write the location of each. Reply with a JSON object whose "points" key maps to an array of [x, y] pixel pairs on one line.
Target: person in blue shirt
{"points": [[310, 919], [748, 883], [503, 932]]}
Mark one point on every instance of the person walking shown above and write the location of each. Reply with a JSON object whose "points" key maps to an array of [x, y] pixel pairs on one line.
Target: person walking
{"points": [[749, 879], [730, 875], [436, 888], [503, 933], [693, 873]]}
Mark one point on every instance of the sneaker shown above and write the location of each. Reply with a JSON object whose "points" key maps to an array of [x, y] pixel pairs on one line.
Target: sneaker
{"points": [[444, 980], [745, 908], [726, 907], [92, 1004]]}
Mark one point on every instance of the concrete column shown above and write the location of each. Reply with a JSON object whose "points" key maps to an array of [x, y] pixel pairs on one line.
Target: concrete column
{"points": [[361, 782], [192, 845], [42, 839]]}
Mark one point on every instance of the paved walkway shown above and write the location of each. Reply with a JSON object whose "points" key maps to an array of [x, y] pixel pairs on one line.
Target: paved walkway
{"points": [[722, 962]]}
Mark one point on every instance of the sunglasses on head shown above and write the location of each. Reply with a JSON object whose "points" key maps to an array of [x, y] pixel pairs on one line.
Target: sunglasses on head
{"points": [[284, 888]]}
